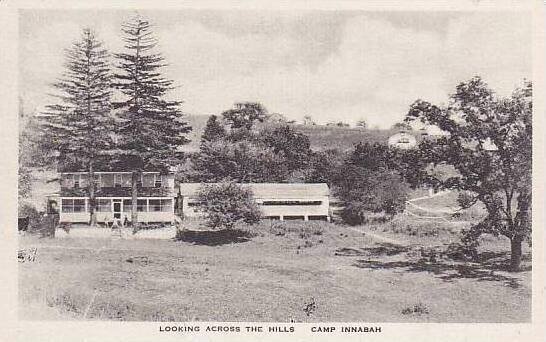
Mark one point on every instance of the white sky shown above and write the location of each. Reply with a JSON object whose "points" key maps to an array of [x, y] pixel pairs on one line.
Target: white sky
{"points": [[345, 66]]}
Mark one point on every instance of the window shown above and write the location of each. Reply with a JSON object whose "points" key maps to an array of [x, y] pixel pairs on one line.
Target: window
{"points": [[193, 204], [157, 181], [127, 205], [104, 205], [142, 205], [97, 180], [317, 218], [73, 205], [291, 202], [160, 205], [293, 218], [117, 180], [74, 180]]}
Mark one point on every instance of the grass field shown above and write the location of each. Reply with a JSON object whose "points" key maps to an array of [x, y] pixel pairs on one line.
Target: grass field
{"points": [[321, 137], [274, 272]]}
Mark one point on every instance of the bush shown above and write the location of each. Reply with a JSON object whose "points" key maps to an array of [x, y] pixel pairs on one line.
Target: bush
{"points": [[35, 218], [227, 204]]}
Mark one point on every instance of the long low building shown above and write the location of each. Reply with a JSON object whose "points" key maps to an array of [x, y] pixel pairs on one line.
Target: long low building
{"points": [[281, 201]]}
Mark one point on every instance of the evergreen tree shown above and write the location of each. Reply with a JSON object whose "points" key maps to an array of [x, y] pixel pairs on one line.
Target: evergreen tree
{"points": [[77, 126], [150, 127], [213, 131]]}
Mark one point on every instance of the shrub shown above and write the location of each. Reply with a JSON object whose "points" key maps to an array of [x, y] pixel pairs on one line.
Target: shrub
{"points": [[416, 309], [227, 204], [35, 218]]}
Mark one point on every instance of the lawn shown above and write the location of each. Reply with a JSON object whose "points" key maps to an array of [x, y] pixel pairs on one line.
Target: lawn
{"points": [[273, 272]]}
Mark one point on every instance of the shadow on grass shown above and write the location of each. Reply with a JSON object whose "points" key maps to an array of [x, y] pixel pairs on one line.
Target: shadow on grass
{"points": [[485, 270], [213, 237], [382, 249]]}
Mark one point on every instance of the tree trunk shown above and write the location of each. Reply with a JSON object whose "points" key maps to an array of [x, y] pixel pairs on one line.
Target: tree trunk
{"points": [[515, 256], [92, 200], [134, 198]]}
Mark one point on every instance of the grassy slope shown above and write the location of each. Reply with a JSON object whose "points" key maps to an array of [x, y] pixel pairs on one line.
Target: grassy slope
{"points": [[270, 277], [322, 137]]}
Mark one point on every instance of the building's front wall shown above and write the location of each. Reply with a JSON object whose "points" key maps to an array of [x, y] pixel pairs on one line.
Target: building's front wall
{"points": [[309, 208], [113, 191], [153, 209]]}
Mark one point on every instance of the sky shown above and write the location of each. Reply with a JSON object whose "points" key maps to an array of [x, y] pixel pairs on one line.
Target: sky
{"points": [[331, 65]]}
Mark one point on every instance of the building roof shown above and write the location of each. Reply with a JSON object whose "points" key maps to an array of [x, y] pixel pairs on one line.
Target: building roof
{"points": [[269, 190]]}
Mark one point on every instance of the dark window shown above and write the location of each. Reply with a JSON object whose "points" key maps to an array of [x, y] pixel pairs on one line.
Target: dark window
{"points": [[273, 217], [291, 202], [317, 218], [293, 217], [142, 205]]}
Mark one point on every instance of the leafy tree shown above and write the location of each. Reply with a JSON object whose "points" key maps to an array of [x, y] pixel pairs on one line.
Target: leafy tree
{"points": [[245, 115], [294, 146], [78, 126], [214, 130], [325, 166], [489, 143], [227, 204], [240, 161], [369, 182], [401, 126], [365, 191], [150, 128]]}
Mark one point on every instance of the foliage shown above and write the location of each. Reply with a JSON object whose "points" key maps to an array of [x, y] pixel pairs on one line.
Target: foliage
{"points": [[78, 126], [369, 183], [245, 115], [227, 204], [241, 161], [489, 143], [150, 128], [37, 222], [25, 182], [292, 145], [274, 154], [143, 109], [402, 126], [214, 130], [325, 166]]}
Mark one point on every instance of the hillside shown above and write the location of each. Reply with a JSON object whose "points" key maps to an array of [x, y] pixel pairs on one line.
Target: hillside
{"points": [[321, 137]]}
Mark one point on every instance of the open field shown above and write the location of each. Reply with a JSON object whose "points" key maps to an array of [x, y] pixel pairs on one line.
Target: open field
{"points": [[321, 137], [274, 272]]}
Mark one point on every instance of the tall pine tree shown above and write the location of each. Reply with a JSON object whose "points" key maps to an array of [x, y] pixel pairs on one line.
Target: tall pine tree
{"points": [[150, 127], [78, 126]]}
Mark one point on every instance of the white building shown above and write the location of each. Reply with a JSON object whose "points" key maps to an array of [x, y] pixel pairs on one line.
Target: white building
{"points": [[282, 201], [402, 140], [155, 203]]}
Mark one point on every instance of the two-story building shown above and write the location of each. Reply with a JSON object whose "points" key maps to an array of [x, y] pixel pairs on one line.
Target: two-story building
{"points": [[156, 197], [281, 201]]}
